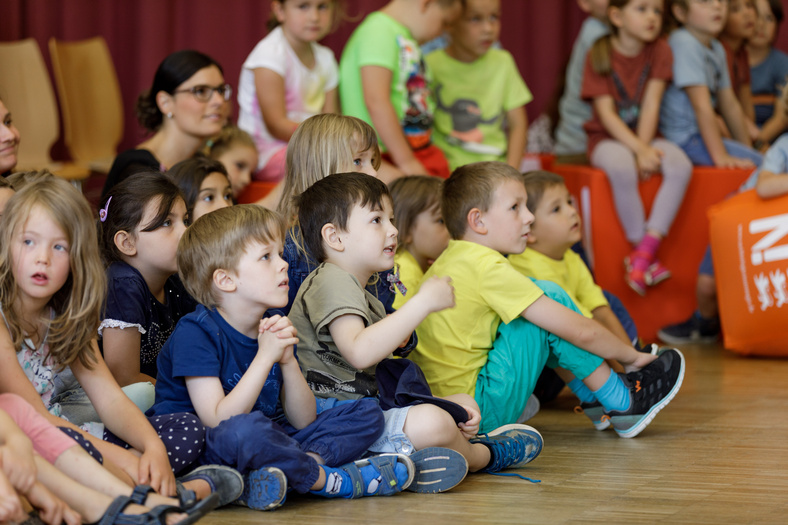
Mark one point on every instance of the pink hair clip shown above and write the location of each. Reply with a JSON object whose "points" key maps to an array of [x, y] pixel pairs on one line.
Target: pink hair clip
{"points": [[103, 211], [396, 283]]}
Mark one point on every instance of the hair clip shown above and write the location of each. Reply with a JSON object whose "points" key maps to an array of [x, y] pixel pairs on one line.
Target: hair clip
{"points": [[396, 283], [103, 211]]}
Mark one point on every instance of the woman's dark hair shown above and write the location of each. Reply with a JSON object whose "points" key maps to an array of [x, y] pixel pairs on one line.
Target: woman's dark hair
{"points": [[126, 208], [777, 10], [188, 175], [173, 71]]}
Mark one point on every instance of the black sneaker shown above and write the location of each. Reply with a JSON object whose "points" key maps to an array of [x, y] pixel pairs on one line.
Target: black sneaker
{"points": [[696, 329], [651, 389]]}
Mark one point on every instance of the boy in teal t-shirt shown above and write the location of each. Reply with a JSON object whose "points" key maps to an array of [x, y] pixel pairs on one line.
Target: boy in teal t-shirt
{"points": [[383, 81], [480, 94]]}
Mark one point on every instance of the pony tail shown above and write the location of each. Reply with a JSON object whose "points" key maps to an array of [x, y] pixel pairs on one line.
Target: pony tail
{"points": [[600, 54]]}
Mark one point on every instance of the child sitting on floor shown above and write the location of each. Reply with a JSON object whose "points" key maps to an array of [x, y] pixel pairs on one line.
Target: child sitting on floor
{"points": [[494, 344], [239, 373], [346, 220]]}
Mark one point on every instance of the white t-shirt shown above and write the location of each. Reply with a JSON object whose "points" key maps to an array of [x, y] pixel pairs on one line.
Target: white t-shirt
{"points": [[305, 89]]}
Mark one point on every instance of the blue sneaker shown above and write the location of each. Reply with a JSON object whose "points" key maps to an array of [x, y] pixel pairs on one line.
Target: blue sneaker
{"points": [[651, 389], [511, 446], [437, 469], [264, 489], [596, 413]]}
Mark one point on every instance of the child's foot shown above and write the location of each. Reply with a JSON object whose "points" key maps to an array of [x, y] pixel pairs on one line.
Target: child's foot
{"points": [[651, 389], [224, 481], [437, 469], [264, 489], [635, 267], [381, 475], [596, 413], [511, 446], [657, 273]]}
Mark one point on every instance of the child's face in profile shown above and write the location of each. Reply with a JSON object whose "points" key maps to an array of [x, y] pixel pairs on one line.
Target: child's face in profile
{"points": [[262, 275], [214, 193], [508, 221], [595, 8], [476, 30], [364, 161], [556, 224], [434, 20], [741, 19], [370, 239], [240, 162], [156, 250], [765, 26], [704, 18], [428, 237]]}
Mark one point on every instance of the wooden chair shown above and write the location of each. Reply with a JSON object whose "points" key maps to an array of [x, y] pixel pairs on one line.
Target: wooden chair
{"points": [[27, 93], [90, 100]]}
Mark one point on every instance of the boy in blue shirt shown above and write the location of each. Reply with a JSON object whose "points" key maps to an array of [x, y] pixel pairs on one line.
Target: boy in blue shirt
{"points": [[239, 373]]}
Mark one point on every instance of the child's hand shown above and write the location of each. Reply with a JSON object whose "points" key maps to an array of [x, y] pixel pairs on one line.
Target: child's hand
{"points": [[470, 428], [438, 292], [19, 467], [51, 509], [155, 470], [276, 338], [726, 161], [649, 161], [10, 504], [640, 359]]}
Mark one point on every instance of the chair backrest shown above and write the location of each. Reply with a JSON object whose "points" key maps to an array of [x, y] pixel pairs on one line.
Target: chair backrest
{"points": [[90, 98], [27, 93]]}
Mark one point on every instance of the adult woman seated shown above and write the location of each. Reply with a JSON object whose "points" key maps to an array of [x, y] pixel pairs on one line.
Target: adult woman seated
{"points": [[186, 105]]}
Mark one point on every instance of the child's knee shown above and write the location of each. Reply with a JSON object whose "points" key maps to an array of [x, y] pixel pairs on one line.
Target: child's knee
{"points": [[428, 425]]}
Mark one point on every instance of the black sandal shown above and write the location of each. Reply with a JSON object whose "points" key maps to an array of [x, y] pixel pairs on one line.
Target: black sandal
{"points": [[197, 509]]}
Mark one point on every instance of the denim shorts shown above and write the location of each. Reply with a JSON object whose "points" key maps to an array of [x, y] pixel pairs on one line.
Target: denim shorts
{"points": [[393, 438]]}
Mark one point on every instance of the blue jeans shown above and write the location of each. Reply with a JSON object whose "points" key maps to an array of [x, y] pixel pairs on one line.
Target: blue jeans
{"points": [[696, 150], [248, 442]]}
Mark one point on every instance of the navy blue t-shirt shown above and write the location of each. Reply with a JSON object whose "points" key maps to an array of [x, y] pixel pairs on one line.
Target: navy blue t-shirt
{"points": [[130, 305], [205, 345]]}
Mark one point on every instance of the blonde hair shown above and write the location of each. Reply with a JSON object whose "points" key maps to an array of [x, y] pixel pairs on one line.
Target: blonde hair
{"points": [[412, 195], [472, 186], [226, 140], [218, 240], [320, 146], [78, 303], [20, 179]]}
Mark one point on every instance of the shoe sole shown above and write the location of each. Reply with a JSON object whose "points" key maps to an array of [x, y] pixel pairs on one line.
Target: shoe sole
{"points": [[649, 416], [437, 470], [671, 340], [264, 489], [522, 428]]}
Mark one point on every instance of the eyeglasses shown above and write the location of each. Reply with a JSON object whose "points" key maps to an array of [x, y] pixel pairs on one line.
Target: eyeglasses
{"points": [[204, 93]]}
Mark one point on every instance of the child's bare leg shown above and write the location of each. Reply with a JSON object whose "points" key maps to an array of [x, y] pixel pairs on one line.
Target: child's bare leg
{"points": [[430, 426], [89, 503], [51, 509]]}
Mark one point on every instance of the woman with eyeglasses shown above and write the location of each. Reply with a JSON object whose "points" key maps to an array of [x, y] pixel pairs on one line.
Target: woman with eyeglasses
{"points": [[185, 106]]}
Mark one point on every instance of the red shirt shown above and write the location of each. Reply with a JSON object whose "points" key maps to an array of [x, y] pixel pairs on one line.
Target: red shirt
{"points": [[629, 70], [738, 67]]}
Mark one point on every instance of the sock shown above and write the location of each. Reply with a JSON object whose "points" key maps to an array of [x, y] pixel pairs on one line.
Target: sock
{"points": [[645, 252], [614, 395], [582, 392]]}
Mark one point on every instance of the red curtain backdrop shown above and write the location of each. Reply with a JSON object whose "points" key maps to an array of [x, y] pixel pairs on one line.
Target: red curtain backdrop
{"points": [[140, 33]]}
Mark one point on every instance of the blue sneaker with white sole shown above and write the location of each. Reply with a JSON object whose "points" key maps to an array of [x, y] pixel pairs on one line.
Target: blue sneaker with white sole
{"points": [[437, 469], [264, 489], [511, 446]]}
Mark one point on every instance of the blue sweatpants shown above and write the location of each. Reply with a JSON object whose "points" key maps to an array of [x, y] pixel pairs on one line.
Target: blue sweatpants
{"points": [[248, 442], [520, 351]]}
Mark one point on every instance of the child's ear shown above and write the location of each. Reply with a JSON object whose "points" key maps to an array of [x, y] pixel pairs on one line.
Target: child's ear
{"points": [[614, 16], [475, 220], [223, 280], [278, 9], [679, 12], [125, 242], [331, 237]]}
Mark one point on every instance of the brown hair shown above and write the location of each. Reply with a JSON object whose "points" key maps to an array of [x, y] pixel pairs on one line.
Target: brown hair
{"points": [[188, 176], [669, 20], [77, 305], [224, 141], [472, 186], [218, 240], [536, 183], [410, 196], [339, 15]]}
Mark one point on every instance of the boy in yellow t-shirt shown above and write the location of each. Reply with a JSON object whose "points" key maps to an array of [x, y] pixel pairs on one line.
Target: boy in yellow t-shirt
{"points": [[556, 228], [467, 349]]}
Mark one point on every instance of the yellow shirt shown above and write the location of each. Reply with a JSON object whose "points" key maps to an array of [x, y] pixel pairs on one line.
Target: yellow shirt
{"points": [[453, 343], [410, 274], [570, 273]]}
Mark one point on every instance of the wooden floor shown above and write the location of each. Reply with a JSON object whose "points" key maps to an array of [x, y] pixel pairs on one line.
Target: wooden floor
{"points": [[717, 454]]}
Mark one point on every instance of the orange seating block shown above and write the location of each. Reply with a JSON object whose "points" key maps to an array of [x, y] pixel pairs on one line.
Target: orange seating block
{"points": [[255, 191], [606, 246], [750, 264]]}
